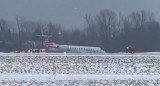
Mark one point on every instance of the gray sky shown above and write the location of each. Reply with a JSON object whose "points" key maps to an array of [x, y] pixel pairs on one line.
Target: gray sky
{"points": [[70, 13]]}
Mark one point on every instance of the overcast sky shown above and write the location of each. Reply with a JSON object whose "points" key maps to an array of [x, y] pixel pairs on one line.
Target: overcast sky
{"points": [[70, 13]]}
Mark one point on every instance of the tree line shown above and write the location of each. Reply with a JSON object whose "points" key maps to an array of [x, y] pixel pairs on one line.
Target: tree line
{"points": [[109, 30]]}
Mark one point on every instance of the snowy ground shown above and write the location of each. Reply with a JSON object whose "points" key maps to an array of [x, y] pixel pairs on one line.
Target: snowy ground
{"points": [[79, 80], [116, 69]]}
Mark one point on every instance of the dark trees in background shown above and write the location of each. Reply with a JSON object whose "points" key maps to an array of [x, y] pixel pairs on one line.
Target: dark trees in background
{"points": [[55, 31], [105, 24], [115, 32], [91, 32], [108, 30], [5, 36], [138, 21]]}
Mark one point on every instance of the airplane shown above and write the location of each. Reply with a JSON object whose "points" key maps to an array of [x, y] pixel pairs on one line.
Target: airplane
{"points": [[71, 48]]}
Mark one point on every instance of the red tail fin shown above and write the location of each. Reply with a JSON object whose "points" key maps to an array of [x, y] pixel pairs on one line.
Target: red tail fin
{"points": [[49, 44]]}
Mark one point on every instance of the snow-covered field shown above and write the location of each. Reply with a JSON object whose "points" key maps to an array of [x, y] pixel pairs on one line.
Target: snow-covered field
{"points": [[116, 69]]}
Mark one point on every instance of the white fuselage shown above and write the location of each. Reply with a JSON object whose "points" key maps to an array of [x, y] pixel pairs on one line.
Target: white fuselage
{"points": [[72, 48], [78, 49]]}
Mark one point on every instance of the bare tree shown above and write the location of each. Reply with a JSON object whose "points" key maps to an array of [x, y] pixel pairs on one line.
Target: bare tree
{"points": [[106, 21], [90, 30]]}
